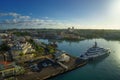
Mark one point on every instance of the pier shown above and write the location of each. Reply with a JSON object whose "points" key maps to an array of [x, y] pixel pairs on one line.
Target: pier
{"points": [[53, 71]]}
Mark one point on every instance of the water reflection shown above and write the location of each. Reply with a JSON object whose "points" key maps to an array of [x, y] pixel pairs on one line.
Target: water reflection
{"points": [[105, 68], [97, 61]]}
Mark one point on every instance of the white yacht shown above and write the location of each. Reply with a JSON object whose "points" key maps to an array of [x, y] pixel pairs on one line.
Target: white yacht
{"points": [[94, 52]]}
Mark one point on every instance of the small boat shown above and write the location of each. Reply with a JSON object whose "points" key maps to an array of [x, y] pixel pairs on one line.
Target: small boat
{"points": [[94, 52]]}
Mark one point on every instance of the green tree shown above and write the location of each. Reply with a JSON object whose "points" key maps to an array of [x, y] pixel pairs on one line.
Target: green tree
{"points": [[4, 47]]}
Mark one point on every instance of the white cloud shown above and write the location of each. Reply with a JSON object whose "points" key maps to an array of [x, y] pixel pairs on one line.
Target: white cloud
{"points": [[24, 17], [14, 20], [9, 14], [20, 21], [14, 15]]}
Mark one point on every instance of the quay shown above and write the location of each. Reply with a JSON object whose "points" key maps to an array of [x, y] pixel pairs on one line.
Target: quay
{"points": [[52, 71]]}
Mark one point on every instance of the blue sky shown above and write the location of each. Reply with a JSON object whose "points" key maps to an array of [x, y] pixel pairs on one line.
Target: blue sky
{"points": [[83, 14]]}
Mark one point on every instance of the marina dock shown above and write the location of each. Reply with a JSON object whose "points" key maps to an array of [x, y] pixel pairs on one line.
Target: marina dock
{"points": [[52, 71]]}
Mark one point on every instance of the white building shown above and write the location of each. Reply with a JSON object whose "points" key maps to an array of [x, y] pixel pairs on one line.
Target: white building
{"points": [[3, 34], [62, 56], [19, 48]]}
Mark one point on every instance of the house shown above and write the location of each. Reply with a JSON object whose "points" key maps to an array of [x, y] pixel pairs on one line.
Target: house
{"points": [[62, 56], [27, 48], [3, 34], [27, 37], [19, 48], [8, 69]]}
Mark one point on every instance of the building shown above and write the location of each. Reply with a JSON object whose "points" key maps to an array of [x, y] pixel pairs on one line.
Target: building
{"points": [[71, 29], [8, 69], [62, 56], [3, 34], [21, 48]]}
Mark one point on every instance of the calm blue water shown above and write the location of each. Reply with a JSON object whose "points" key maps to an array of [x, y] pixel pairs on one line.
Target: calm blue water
{"points": [[104, 69]]}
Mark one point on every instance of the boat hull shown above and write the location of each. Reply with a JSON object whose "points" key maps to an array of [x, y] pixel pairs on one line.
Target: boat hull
{"points": [[98, 57], [93, 57]]}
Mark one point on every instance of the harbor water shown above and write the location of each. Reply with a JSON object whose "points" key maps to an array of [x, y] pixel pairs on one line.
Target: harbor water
{"points": [[106, 68]]}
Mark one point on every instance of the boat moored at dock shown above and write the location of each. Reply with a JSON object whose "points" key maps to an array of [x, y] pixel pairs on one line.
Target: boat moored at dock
{"points": [[94, 52]]}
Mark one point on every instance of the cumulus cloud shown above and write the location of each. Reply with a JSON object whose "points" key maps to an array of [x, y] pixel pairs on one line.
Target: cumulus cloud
{"points": [[9, 14], [23, 21], [24, 17], [14, 15]]}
